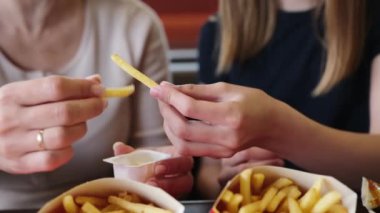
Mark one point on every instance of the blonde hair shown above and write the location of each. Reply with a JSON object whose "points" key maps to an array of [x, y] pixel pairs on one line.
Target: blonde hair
{"points": [[248, 25]]}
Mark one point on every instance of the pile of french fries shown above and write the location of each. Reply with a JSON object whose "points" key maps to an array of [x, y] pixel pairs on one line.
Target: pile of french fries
{"points": [[122, 203], [253, 192]]}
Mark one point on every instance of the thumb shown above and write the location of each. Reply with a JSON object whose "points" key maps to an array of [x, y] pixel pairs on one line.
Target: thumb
{"points": [[97, 79], [120, 148]]}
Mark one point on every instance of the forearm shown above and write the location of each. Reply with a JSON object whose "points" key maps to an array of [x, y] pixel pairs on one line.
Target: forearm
{"points": [[317, 148]]}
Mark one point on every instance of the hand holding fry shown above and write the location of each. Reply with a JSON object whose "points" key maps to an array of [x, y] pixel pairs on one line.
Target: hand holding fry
{"points": [[216, 112], [42, 118]]}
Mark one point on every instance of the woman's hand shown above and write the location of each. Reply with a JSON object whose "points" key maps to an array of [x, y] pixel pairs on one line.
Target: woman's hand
{"points": [[41, 119], [172, 175], [247, 158], [215, 120]]}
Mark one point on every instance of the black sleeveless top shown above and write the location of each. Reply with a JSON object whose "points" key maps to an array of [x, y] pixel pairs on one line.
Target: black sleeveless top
{"points": [[290, 67]]}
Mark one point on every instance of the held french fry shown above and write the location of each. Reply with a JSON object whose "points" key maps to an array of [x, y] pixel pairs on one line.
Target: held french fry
{"points": [[133, 71], [119, 92]]}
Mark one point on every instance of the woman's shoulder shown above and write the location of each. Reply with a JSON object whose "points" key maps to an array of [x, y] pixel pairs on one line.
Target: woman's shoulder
{"points": [[121, 9]]}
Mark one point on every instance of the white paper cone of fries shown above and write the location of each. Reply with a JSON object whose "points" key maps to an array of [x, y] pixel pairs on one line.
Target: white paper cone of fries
{"points": [[153, 198], [277, 189]]}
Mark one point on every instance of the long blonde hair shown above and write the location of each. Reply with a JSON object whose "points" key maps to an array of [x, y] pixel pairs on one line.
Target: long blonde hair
{"points": [[248, 25]]}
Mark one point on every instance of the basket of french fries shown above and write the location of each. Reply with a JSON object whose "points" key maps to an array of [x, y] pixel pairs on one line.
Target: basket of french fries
{"points": [[113, 196], [277, 189]]}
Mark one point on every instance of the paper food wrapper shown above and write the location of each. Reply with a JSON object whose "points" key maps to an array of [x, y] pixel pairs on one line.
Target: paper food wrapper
{"points": [[110, 186], [370, 195], [303, 179]]}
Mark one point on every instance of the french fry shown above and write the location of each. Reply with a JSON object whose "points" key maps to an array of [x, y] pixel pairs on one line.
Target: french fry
{"points": [[111, 208], [293, 206], [99, 202], [89, 208], [135, 207], [275, 202], [309, 199], [337, 208], [119, 92], [282, 182], [245, 185], [112, 204], [233, 205], [133, 71], [318, 185], [116, 211], [257, 182], [69, 205], [267, 197], [252, 207], [291, 192], [326, 202], [227, 196], [252, 192]]}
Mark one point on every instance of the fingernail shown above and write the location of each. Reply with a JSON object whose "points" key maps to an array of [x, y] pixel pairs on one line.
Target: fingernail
{"points": [[97, 89], [155, 91], [159, 169], [95, 78]]}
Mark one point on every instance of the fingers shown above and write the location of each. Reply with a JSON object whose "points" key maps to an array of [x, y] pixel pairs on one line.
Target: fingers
{"points": [[197, 149], [96, 78], [54, 138], [120, 148], [173, 166], [50, 89], [208, 111], [210, 92], [61, 113], [250, 154], [177, 186], [192, 130], [42, 161]]}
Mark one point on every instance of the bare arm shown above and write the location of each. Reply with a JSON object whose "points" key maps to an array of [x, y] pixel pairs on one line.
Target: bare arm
{"points": [[345, 155], [230, 118]]}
